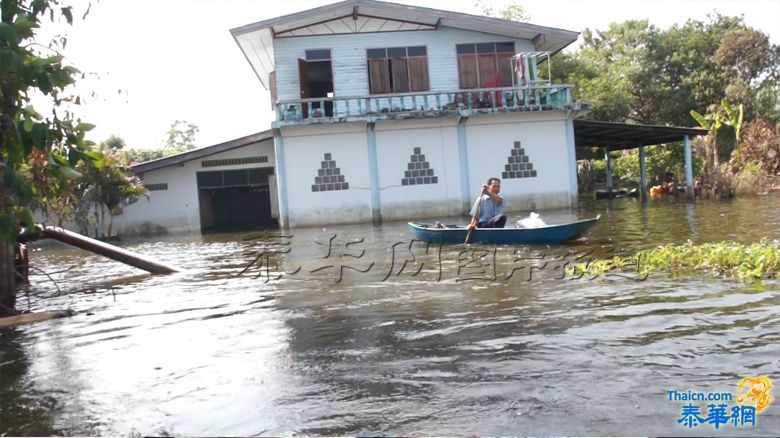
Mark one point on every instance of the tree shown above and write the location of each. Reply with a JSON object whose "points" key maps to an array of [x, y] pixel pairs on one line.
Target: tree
{"points": [[513, 11], [181, 136], [50, 145], [113, 143], [106, 189], [38, 152], [636, 72]]}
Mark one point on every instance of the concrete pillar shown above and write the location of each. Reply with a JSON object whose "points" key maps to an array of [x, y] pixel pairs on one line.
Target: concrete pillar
{"points": [[572, 162], [373, 174], [463, 156], [281, 179], [642, 173], [688, 167]]}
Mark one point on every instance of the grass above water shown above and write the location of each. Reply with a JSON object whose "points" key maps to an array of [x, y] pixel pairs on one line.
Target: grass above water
{"points": [[720, 259]]}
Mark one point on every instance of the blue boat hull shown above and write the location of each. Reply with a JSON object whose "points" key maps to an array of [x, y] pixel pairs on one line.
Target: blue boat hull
{"points": [[549, 235]]}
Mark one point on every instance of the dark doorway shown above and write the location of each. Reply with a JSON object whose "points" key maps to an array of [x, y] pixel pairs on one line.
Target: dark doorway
{"points": [[235, 200], [316, 80]]}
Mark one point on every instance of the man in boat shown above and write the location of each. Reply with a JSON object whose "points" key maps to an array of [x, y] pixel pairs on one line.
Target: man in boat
{"points": [[488, 210]]}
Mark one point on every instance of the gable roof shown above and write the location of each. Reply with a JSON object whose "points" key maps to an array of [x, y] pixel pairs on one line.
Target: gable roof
{"points": [[160, 163], [256, 39]]}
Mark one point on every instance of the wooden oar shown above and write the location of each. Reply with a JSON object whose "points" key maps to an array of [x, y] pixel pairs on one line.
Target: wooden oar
{"points": [[476, 215]]}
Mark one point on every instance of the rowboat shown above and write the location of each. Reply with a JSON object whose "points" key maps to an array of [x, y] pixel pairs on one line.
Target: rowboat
{"points": [[547, 235]]}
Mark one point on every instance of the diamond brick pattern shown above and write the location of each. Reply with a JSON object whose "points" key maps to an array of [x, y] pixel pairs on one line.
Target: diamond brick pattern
{"points": [[418, 171], [518, 165], [329, 176]]}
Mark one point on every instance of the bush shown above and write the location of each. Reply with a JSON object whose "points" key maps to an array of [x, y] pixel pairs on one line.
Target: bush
{"points": [[760, 144], [750, 180]]}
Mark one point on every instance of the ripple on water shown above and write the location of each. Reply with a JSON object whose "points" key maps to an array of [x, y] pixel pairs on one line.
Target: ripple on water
{"points": [[212, 352]]}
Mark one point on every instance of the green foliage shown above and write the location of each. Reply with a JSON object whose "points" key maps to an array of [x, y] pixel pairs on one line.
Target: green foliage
{"points": [[513, 11], [750, 180], [105, 188], [132, 156], [108, 189], [113, 143], [634, 71], [722, 259], [37, 153], [664, 163], [181, 137]]}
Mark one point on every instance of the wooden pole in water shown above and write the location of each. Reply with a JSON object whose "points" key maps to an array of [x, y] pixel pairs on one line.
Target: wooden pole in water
{"points": [[7, 277], [113, 252]]}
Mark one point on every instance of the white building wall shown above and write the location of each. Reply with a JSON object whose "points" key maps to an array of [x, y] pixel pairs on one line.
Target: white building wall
{"points": [[304, 151], [177, 209], [490, 140], [349, 62], [542, 136], [438, 142]]}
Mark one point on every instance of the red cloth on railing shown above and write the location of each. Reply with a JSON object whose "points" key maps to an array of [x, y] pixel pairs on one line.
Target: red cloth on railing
{"points": [[495, 82]]}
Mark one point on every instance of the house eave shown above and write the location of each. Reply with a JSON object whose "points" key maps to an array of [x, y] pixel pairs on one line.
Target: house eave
{"points": [[195, 154], [256, 39]]}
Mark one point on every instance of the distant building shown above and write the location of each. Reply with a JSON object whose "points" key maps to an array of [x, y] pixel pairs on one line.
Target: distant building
{"points": [[383, 112], [220, 187]]}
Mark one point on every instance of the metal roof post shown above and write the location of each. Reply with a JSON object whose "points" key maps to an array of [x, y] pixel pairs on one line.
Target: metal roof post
{"points": [[642, 173], [608, 160], [688, 166]]}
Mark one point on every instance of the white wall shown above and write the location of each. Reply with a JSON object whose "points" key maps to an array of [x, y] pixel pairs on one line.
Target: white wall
{"points": [[490, 139], [304, 149], [177, 209], [438, 141], [349, 63]]}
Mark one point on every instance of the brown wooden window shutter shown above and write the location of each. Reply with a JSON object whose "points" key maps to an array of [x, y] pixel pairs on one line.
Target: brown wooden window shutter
{"points": [[467, 70], [487, 70], [378, 77], [418, 73]]}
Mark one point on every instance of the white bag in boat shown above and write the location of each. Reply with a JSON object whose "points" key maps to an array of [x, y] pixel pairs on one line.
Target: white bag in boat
{"points": [[532, 221]]}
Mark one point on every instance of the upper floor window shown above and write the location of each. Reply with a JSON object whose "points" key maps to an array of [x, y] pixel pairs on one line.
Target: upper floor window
{"points": [[485, 65], [397, 70]]}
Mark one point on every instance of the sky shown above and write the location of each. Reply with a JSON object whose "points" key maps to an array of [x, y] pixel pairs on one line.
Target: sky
{"points": [[152, 62]]}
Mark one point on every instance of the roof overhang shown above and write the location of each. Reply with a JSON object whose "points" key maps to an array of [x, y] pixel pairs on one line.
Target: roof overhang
{"points": [[184, 157], [360, 16], [617, 136]]}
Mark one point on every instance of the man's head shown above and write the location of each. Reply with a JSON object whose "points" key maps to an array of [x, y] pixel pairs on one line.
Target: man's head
{"points": [[494, 185]]}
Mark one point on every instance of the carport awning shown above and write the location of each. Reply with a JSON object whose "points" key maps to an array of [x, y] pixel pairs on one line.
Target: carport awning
{"points": [[617, 136]]}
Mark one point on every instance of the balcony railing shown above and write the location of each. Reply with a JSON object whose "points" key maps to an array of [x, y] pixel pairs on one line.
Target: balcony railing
{"points": [[423, 105]]}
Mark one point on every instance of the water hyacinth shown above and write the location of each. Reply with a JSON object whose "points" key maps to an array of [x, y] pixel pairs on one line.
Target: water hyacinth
{"points": [[721, 259]]}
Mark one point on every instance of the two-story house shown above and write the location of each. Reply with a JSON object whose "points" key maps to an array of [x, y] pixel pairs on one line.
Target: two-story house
{"points": [[383, 112], [387, 111]]}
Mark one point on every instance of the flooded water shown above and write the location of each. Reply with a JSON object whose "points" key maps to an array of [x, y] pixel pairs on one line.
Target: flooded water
{"points": [[328, 334]]}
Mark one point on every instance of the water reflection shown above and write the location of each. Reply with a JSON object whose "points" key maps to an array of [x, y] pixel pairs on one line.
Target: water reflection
{"points": [[391, 350]]}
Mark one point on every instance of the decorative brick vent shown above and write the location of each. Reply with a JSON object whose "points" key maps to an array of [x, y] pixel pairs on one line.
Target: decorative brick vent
{"points": [[329, 177], [234, 161], [519, 164], [153, 187], [418, 170]]}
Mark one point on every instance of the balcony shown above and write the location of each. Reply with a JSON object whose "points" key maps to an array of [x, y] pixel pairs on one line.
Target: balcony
{"points": [[424, 105]]}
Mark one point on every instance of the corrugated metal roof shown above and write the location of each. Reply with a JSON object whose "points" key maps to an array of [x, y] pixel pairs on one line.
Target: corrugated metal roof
{"points": [[616, 136]]}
